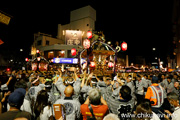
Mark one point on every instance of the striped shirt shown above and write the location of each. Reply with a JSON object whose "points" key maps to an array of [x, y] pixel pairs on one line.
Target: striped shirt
{"points": [[72, 107], [118, 106]]}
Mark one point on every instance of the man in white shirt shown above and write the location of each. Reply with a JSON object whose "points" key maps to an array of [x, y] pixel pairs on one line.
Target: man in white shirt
{"points": [[72, 106], [139, 89], [173, 99], [33, 90], [146, 83]]}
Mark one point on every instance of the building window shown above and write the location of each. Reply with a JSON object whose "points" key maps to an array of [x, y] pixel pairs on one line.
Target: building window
{"points": [[69, 54], [39, 42], [47, 42], [50, 54], [61, 53]]}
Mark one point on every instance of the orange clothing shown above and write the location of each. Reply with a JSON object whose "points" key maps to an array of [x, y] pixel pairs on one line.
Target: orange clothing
{"points": [[99, 111], [152, 96]]}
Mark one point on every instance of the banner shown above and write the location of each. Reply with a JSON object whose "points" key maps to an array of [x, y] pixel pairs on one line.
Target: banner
{"points": [[67, 60], [4, 19]]}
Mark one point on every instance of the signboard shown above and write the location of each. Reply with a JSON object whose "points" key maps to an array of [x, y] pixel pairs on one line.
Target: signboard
{"points": [[4, 19], [66, 60], [59, 111], [73, 37]]}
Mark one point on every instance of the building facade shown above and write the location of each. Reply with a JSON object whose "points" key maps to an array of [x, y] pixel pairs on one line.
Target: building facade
{"points": [[175, 63], [69, 35]]}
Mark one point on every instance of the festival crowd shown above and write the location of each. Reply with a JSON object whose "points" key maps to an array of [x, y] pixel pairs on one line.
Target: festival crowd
{"points": [[33, 95]]}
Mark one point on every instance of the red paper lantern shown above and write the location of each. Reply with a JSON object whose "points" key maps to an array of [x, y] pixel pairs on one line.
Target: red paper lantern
{"points": [[37, 51], [110, 64], [124, 46], [89, 34], [86, 44], [73, 51], [38, 58], [26, 59], [92, 64], [8, 69]]}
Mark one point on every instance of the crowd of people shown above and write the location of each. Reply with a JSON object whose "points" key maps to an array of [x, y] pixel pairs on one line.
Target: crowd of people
{"points": [[34, 95]]}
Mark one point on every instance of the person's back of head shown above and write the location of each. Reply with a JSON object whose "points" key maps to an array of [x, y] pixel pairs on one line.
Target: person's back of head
{"points": [[94, 96], [41, 102], [21, 118], [21, 84], [125, 93], [143, 111], [111, 117], [69, 91], [154, 79], [48, 86], [145, 76], [172, 96], [16, 98], [173, 99], [130, 76], [138, 77], [147, 101], [169, 78]]}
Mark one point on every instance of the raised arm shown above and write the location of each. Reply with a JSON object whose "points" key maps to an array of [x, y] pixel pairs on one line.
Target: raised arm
{"points": [[119, 81], [90, 76], [10, 78], [60, 73], [83, 80], [97, 78], [5, 95], [75, 74]]}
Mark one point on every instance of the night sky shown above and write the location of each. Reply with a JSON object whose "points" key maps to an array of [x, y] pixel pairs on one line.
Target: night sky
{"points": [[142, 24]]}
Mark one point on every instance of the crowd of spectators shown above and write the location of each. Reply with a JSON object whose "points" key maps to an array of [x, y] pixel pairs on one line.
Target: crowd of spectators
{"points": [[31, 95]]}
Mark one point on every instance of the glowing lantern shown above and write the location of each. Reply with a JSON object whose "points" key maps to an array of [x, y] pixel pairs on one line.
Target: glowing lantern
{"points": [[86, 44], [26, 59], [89, 34], [37, 51], [110, 64], [124, 46], [73, 51], [92, 64], [38, 58], [8, 69], [52, 60]]}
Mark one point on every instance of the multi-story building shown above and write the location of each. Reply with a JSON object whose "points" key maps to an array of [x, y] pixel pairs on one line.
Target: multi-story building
{"points": [[68, 36], [172, 63]]}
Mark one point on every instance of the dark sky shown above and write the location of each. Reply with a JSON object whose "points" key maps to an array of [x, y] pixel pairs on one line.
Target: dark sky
{"points": [[143, 24]]}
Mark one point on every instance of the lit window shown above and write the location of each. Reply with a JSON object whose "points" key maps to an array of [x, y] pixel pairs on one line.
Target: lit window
{"points": [[61, 53], [51, 54]]}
